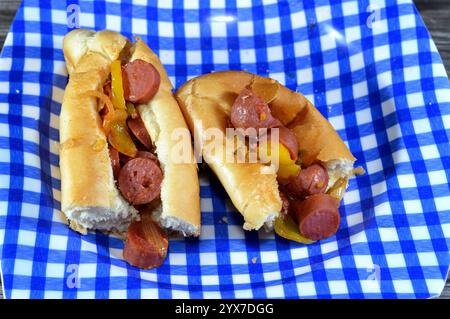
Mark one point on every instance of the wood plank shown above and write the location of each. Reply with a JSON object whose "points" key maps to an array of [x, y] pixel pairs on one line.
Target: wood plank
{"points": [[446, 292], [435, 15], [8, 10]]}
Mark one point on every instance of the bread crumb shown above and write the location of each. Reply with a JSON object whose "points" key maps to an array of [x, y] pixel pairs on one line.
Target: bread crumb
{"points": [[359, 171], [254, 260], [225, 219]]}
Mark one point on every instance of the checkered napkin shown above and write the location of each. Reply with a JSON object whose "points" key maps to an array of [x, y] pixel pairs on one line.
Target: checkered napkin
{"points": [[370, 67]]}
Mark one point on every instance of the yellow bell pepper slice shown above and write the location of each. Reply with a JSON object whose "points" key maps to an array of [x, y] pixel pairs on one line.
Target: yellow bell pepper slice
{"points": [[131, 110], [338, 189], [115, 122], [287, 171], [118, 135], [287, 228], [287, 167], [284, 158], [117, 86], [120, 139]]}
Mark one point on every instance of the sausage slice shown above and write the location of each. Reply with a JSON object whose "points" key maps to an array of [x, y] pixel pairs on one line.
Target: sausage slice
{"points": [[250, 111], [317, 216], [288, 139], [115, 161], [140, 81], [309, 181], [140, 180], [144, 154], [146, 243], [138, 129]]}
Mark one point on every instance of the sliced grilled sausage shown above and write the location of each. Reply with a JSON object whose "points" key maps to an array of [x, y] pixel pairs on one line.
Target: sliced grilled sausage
{"points": [[317, 216], [140, 81], [310, 180], [288, 139], [140, 180], [146, 243], [250, 111], [115, 161], [137, 127], [142, 154]]}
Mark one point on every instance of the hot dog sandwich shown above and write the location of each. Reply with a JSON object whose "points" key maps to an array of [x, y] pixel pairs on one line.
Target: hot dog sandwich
{"points": [[116, 121], [300, 197]]}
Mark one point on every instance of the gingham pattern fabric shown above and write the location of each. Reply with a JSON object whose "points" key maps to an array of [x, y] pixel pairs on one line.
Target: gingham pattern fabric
{"points": [[370, 67]]}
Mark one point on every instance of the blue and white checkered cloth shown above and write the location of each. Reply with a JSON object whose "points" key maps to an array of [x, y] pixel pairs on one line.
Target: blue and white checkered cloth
{"points": [[369, 66]]}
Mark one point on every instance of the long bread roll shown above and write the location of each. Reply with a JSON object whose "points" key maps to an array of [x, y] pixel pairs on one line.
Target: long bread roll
{"points": [[90, 197], [208, 99], [180, 188]]}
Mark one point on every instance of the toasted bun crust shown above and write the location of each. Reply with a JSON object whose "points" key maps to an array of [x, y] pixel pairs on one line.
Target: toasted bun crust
{"points": [[180, 190], [90, 198], [209, 98]]}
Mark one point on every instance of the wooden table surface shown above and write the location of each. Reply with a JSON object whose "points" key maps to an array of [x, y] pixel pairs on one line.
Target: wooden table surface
{"points": [[435, 13]]}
